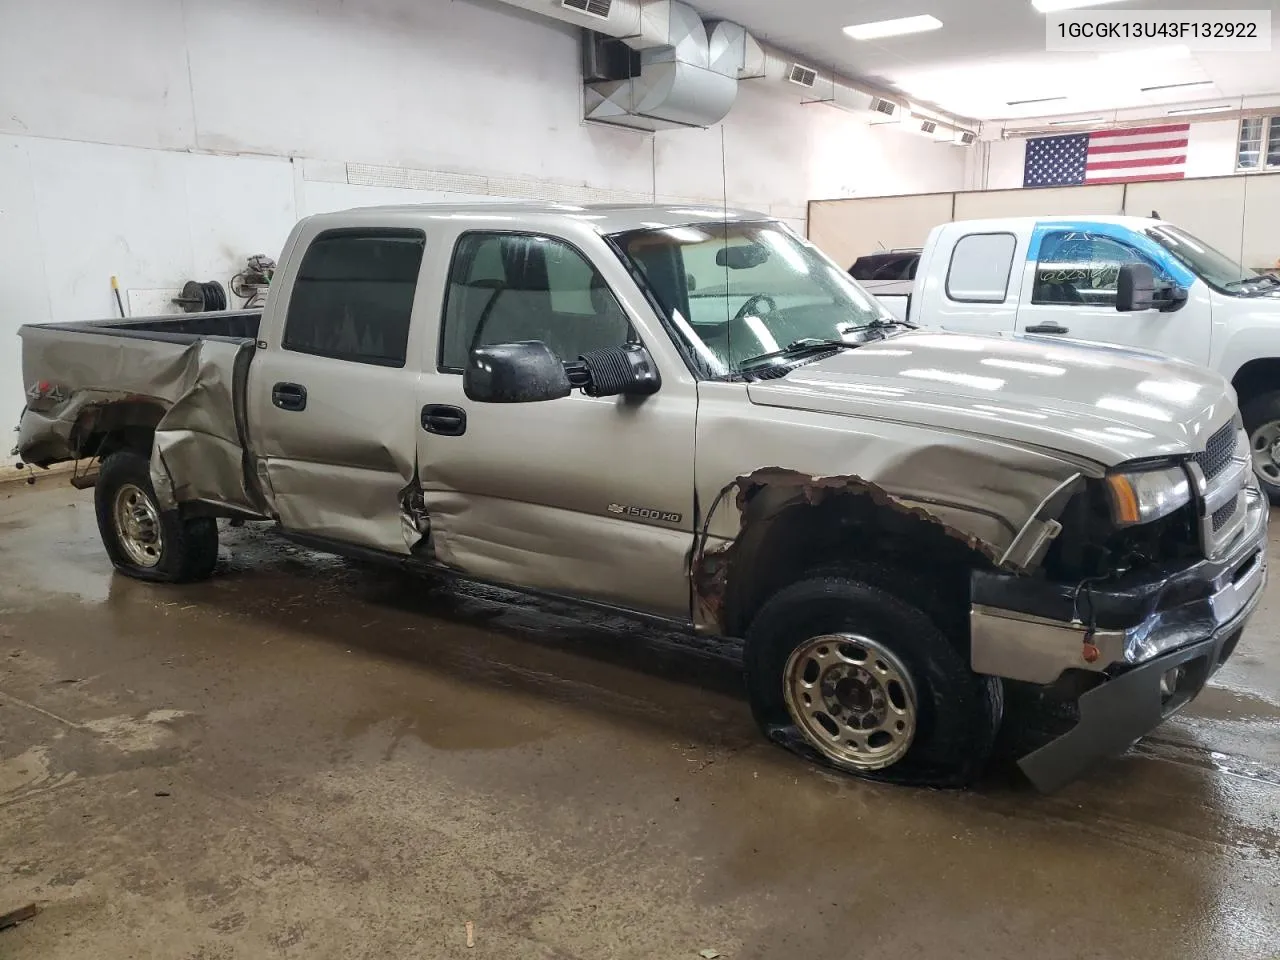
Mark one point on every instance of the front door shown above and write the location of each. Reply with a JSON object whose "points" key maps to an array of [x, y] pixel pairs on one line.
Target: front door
{"points": [[1069, 291], [584, 496], [333, 401]]}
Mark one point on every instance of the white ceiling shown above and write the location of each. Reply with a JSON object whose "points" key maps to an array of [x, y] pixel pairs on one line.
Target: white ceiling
{"points": [[990, 52]]}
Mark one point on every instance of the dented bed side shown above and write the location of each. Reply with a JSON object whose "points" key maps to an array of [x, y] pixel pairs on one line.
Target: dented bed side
{"points": [[190, 386]]}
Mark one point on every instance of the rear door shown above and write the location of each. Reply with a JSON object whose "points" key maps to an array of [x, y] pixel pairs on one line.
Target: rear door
{"points": [[332, 390], [585, 496], [1070, 281], [970, 284]]}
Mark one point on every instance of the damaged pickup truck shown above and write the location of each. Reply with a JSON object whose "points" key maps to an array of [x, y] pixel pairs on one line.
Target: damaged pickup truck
{"points": [[694, 415]]}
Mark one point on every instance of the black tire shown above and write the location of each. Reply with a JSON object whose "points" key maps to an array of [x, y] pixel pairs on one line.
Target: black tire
{"points": [[188, 549], [1257, 412], [959, 712]]}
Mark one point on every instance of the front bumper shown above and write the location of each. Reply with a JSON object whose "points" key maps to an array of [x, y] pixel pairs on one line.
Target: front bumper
{"points": [[1156, 641]]}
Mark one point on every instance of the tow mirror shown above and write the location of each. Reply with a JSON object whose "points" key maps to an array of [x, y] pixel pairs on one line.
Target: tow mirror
{"points": [[530, 371], [522, 372], [1135, 288]]}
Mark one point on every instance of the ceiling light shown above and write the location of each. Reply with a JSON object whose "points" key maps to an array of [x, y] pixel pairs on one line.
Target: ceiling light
{"points": [[892, 28], [1064, 123], [1217, 109], [1053, 6], [1020, 103], [1178, 86]]}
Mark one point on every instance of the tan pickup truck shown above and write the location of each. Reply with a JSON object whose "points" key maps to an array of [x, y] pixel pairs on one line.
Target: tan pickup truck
{"points": [[693, 414]]}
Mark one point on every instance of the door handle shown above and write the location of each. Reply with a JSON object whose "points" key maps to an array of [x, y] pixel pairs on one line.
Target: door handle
{"points": [[444, 419], [1046, 328], [289, 396]]}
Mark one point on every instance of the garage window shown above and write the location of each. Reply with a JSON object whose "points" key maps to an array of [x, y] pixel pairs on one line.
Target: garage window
{"points": [[353, 296], [508, 287], [980, 268], [1258, 146]]}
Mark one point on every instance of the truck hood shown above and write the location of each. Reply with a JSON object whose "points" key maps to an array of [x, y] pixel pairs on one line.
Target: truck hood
{"points": [[1103, 403]]}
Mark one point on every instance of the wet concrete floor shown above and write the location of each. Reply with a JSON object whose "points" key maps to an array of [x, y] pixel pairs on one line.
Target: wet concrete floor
{"points": [[305, 758]]}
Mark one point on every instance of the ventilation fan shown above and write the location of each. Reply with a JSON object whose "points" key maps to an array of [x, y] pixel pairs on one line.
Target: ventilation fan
{"points": [[928, 126], [965, 138], [592, 8], [803, 76]]}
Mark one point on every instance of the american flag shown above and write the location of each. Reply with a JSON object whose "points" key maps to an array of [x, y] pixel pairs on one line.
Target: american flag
{"points": [[1108, 156]]}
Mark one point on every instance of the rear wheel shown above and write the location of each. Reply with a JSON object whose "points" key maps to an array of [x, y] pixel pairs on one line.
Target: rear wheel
{"points": [[1261, 417], [846, 674], [142, 540]]}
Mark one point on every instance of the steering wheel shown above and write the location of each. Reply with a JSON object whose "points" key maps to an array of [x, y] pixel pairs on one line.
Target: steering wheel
{"points": [[740, 340], [748, 308]]}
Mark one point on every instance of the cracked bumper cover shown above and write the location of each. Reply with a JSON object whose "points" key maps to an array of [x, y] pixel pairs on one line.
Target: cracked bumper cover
{"points": [[1160, 636]]}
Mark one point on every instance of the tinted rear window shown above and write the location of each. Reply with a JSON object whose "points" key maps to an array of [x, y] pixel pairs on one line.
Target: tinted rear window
{"points": [[353, 296]]}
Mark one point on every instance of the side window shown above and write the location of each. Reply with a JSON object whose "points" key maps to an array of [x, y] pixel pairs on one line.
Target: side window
{"points": [[354, 294], [980, 268], [1076, 267], [511, 287]]}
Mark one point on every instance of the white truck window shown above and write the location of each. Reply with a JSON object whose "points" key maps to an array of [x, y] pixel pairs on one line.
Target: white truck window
{"points": [[980, 268], [1081, 268], [505, 287], [354, 294]]}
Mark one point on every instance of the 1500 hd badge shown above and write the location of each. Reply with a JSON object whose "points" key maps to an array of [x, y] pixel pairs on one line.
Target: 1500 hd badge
{"points": [[644, 513]]}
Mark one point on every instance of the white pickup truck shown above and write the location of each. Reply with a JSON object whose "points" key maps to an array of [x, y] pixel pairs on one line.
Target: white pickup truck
{"points": [[1076, 278]]}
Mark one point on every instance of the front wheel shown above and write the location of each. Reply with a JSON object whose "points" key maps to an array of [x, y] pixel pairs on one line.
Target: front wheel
{"points": [[142, 540], [848, 675], [1261, 417]]}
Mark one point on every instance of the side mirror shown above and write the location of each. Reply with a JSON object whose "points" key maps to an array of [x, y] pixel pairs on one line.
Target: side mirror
{"points": [[522, 372], [617, 371], [1175, 298], [530, 371], [1135, 288]]}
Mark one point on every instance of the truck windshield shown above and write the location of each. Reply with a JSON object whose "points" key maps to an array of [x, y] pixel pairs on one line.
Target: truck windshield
{"points": [[1216, 269], [736, 291]]}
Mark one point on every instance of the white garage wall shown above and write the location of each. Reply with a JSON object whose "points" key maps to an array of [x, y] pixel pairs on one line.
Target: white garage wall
{"points": [[166, 140]]}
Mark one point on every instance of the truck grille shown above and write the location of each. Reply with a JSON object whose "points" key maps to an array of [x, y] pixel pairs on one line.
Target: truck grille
{"points": [[1217, 452], [1222, 472], [1220, 516]]}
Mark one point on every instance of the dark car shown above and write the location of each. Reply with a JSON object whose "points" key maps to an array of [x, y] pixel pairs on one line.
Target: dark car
{"points": [[887, 265]]}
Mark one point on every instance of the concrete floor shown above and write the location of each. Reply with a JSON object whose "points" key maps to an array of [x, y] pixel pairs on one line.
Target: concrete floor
{"points": [[305, 758]]}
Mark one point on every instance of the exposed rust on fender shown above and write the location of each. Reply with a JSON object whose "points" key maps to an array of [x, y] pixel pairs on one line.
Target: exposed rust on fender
{"points": [[710, 568]]}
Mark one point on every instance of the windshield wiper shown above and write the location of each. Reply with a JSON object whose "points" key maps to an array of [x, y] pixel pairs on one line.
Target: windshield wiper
{"points": [[883, 323], [797, 349], [1269, 278]]}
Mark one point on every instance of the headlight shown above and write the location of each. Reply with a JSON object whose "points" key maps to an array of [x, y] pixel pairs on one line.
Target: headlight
{"points": [[1141, 496]]}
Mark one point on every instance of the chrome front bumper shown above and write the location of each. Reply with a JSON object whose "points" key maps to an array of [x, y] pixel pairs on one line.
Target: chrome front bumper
{"points": [[1022, 646]]}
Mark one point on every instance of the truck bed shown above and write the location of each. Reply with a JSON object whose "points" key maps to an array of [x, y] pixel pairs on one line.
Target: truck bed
{"points": [[172, 327], [185, 374]]}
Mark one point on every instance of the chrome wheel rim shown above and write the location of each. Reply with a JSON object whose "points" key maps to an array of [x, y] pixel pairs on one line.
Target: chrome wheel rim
{"points": [[852, 698], [137, 525], [1264, 442]]}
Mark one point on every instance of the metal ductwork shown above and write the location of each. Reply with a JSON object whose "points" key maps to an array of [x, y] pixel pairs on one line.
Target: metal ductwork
{"points": [[614, 18], [654, 64], [682, 76], [815, 85]]}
